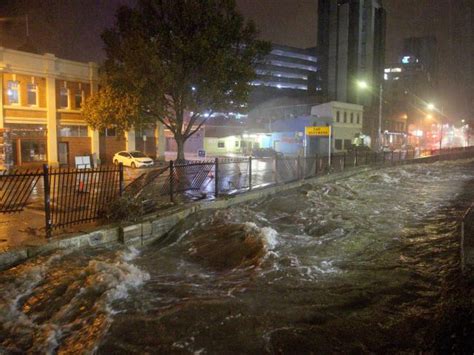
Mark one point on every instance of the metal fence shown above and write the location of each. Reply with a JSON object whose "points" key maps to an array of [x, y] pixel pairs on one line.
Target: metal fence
{"points": [[72, 196], [65, 196], [16, 188], [226, 176]]}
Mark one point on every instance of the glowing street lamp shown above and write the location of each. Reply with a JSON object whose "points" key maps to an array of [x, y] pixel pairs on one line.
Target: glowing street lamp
{"points": [[430, 107], [362, 84]]}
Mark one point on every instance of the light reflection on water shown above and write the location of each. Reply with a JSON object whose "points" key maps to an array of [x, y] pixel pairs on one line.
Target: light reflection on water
{"points": [[365, 264]]}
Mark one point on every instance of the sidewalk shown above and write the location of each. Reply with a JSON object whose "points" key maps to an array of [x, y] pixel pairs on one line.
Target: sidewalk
{"points": [[28, 227], [21, 228]]}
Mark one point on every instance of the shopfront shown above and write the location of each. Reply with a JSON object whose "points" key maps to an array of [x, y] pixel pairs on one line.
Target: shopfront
{"points": [[29, 146]]}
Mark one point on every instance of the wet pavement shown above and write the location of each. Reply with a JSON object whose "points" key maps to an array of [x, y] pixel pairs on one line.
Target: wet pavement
{"points": [[28, 227]]}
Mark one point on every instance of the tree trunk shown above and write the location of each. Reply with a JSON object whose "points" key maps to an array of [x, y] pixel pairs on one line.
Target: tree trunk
{"points": [[180, 143]]}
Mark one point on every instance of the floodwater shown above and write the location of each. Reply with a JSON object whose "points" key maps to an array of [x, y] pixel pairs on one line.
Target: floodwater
{"points": [[365, 264]]}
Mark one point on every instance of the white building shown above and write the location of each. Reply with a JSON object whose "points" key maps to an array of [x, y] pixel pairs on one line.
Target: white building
{"points": [[346, 121]]}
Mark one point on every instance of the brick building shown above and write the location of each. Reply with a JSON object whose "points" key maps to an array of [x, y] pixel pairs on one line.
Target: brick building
{"points": [[41, 104]]}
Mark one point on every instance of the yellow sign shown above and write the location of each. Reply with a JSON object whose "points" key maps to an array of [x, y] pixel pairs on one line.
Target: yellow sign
{"points": [[317, 131]]}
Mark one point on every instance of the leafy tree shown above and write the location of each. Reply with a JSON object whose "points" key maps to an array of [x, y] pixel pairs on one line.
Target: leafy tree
{"points": [[111, 108], [177, 62]]}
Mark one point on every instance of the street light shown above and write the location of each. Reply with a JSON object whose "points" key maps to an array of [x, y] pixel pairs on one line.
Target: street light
{"points": [[364, 86]]}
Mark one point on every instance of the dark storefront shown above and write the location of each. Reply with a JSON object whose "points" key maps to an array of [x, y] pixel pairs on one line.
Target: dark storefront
{"points": [[29, 144]]}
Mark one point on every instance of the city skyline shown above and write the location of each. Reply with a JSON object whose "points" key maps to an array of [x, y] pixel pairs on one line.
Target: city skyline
{"points": [[64, 28]]}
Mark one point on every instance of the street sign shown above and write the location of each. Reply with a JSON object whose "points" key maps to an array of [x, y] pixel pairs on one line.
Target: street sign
{"points": [[83, 162], [317, 131]]}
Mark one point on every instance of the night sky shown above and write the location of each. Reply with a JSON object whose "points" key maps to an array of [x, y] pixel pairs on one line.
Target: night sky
{"points": [[71, 29]]}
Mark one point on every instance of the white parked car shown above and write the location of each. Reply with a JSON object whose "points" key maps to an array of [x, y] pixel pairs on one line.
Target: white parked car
{"points": [[133, 159]]}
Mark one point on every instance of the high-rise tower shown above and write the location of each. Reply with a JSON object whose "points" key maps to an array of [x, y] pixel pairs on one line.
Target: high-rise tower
{"points": [[351, 42]]}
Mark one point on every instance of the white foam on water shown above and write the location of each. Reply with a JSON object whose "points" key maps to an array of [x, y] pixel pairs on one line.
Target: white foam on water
{"points": [[269, 235], [117, 279], [30, 278], [131, 254], [105, 280], [312, 195], [53, 339]]}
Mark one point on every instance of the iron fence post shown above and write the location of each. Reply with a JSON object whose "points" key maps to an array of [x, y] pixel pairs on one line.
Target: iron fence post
{"points": [[120, 179], [355, 158], [250, 172], [47, 201], [216, 178], [316, 163], [383, 157], [171, 181], [344, 161], [392, 158]]}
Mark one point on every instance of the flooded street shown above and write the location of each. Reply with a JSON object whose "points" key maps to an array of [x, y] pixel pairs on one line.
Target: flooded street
{"points": [[366, 264]]}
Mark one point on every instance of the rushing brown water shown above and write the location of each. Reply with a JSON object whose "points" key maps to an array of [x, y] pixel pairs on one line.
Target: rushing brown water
{"points": [[366, 264]]}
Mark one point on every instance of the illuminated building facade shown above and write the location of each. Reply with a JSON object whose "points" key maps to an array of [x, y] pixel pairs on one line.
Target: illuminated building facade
{"points": [[286, 72], [288, 84], [289, 71], [41, 104]]}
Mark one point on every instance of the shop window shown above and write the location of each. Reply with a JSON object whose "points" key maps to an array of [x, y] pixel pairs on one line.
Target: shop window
{"points": [[78, 97], [338, 116], [33, 151], [358, 119], [221, 144], [64, 98], [73, 131], [32, 96], [338, 144], [110, 132], [149, 132], [13, 92], [352, 117], [347, 143], [345, 117]]}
